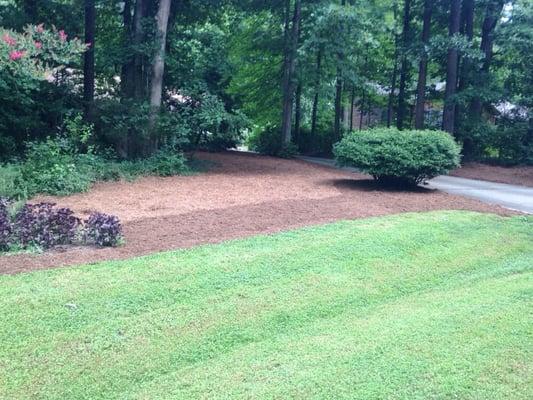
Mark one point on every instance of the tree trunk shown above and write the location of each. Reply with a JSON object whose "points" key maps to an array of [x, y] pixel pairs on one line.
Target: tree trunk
{"points": [[338, 95], [352, 107], [158, 69], [390, 104], [298, 112], [127, 71], [362, 108], [402, 103], [338, 105], [422, 67], [394, 76], [88, 62], [138, 37], [314, 113], [288, 75], [492, 13], [448, 116], [468, 31], [463, 78]]}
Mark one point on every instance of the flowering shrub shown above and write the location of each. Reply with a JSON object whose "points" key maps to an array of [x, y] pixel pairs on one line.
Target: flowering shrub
{"points": [[103, 230], [34, 53], [45, 226]]}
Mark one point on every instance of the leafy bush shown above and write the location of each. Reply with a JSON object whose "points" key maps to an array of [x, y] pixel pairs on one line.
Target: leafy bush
{"points": [[399, 157], [45, 226], [31, 105], [268, 141], [103, 230], [319, 143], [12, 185], [513, 140], [166, 162], [6, 227], [54, 167]]}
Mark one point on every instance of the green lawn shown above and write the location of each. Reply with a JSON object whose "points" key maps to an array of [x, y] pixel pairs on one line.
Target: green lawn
{"points": [[413, 306]]}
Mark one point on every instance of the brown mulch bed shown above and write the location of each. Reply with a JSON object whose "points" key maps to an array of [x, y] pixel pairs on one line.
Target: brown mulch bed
{"points": [[241, 195], [522, 175]]}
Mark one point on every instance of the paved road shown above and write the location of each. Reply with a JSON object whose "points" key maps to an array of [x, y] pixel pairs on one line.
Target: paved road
{"points": [[509, 196]]}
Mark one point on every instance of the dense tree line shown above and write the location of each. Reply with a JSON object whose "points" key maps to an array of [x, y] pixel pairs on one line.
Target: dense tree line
{"points": [[204, 73]]}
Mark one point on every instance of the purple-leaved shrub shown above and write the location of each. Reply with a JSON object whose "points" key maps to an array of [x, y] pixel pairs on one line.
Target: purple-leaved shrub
{"points": [[45, 226], [103, 230]]}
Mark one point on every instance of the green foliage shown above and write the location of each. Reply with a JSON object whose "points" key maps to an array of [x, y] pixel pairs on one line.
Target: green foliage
{"points": [[54, 167], [399, 157], [166, 162], [31, 55], [268, 141], [32, 92], [211, 126], [12, 185], [187, 123], [321, 143], [68, 163], [513, 140]]}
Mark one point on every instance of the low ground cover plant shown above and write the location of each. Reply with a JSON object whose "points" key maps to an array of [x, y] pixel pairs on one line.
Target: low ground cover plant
{"points": [[43, 226], [66, 164], [406, 157]]}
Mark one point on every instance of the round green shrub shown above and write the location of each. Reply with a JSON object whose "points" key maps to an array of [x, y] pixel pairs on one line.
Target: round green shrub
{"points": [[406, 157]]}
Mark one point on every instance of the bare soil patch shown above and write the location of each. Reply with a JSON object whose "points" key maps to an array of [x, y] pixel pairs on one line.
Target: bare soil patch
{"points": [[242, 195], [522, 175]]}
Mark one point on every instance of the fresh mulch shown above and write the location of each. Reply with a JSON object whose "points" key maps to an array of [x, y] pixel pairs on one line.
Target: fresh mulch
{"points": [[241, 195], [521, 175]]}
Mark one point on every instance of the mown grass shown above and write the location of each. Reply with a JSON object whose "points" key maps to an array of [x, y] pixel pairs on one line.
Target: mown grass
{"points": [[413, 306]]}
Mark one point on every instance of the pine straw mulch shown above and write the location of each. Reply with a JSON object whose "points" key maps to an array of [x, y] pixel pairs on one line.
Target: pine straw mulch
{"points": [[241, 195], [520, 175]]}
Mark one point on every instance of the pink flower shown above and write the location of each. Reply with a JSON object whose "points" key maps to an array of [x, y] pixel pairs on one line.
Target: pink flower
{"points": [[16, 55], [38, 45], [62, 35], [9, 40], [40, 28]]}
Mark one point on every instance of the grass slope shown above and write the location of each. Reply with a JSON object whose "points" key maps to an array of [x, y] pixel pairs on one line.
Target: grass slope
{"points": [[412, 306]]}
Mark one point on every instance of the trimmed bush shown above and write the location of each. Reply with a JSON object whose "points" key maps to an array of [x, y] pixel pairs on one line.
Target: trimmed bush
{"points": [[103, 230], [396, 157]]}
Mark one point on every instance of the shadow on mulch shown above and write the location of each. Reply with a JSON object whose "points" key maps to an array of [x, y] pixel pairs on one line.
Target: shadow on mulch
{"points": [[370, 185]]}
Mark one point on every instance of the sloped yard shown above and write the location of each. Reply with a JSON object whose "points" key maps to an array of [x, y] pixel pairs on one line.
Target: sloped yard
{"points": [[240, 195], [412, 306]]}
